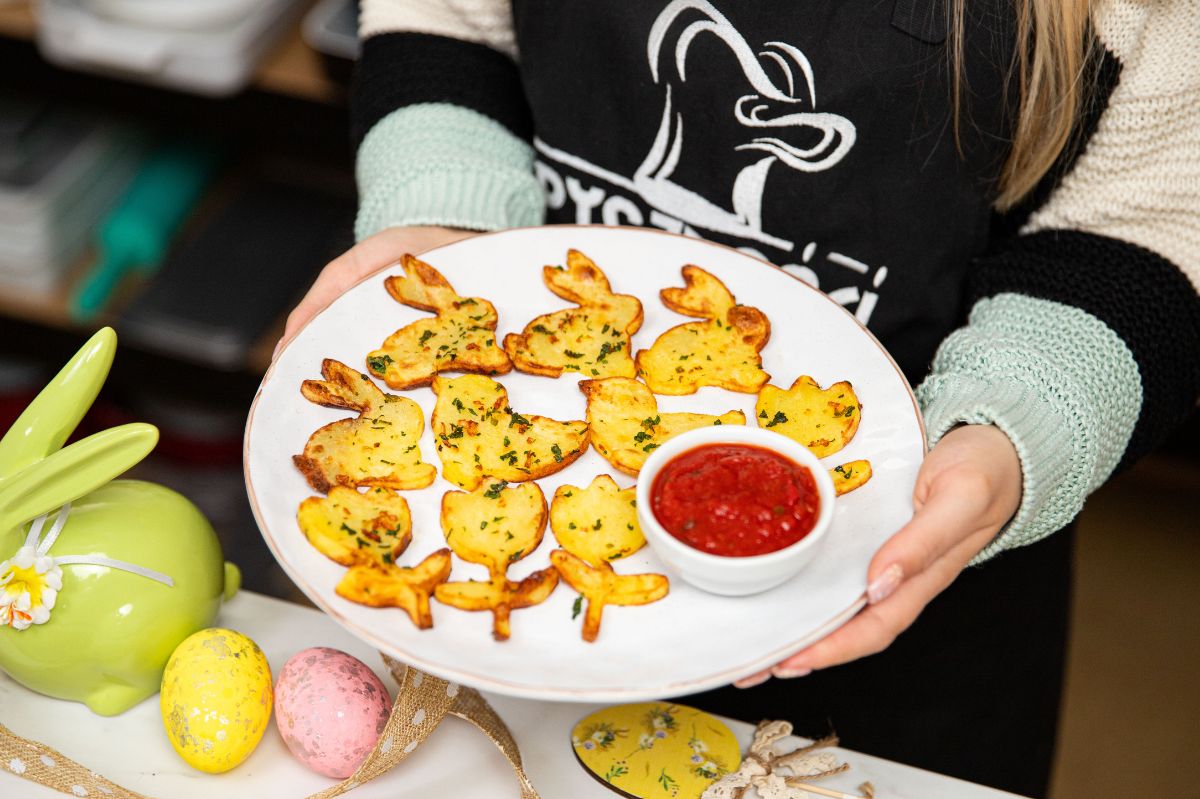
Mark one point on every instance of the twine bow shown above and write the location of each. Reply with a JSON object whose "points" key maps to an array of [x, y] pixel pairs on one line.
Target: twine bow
{"points": [[421, 704]]}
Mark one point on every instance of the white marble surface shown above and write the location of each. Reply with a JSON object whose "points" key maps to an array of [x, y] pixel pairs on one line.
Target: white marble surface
{"points": [[456, 761]]}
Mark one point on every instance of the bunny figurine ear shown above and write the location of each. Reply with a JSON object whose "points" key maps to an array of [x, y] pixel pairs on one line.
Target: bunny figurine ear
{"points": [[65, 476], [53, 415]]}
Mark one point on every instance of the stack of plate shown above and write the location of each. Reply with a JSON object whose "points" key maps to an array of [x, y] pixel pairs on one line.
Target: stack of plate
{"points": [[60, 173]]}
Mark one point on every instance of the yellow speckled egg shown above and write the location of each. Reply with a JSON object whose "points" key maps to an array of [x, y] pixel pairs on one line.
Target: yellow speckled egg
{"points": [[216, 699]]}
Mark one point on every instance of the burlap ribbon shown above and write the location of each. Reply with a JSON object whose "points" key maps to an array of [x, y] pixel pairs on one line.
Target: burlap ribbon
{"points": [[421, 704]]}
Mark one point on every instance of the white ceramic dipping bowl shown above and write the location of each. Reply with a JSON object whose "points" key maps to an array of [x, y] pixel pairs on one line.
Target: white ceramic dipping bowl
{"points": [[720, 574]]}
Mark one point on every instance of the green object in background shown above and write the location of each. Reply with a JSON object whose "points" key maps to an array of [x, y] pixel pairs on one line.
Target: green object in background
{"points": [[110, 631], [138, 232]]}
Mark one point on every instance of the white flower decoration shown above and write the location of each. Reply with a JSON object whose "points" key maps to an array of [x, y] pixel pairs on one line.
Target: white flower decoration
{"points": [[29, 586]]}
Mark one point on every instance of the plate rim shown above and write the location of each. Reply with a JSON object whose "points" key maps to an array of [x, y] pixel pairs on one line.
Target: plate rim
{"points": [[668, 690]]}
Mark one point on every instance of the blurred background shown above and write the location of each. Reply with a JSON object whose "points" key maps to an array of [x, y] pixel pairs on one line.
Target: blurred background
{"points": [[181, 170]]}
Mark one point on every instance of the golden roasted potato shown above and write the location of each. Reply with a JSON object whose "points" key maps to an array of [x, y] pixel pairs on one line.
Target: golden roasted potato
{"points": [[357, 529], [462, 336], [626, 425], [598, 523], [407, 588], [850, 476], [722, 351], [601, 586], [824, 420], [499, 595], [592, 338], [478, 434], [379, 448], [496, 524]]}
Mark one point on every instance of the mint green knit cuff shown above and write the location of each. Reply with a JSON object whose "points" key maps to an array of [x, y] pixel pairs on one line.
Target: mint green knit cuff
{"points": [[1059, 382], [441, 164]]}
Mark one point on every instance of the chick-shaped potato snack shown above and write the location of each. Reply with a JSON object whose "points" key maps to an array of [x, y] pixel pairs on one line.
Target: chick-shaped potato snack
{"points": [[598, 523], [626, 426], [378, 448], [461, 337], [595, 526], [404, 587], [352, 528], [495, 526], [591, 338], [478, 434], [823, 420], [722, 351]]}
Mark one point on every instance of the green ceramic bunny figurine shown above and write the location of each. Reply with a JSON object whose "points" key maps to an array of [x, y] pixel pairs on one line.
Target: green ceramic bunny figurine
{"points": [[100, 579]]}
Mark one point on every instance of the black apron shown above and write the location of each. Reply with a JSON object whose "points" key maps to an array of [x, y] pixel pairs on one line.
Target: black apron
{"points": [[820, 136]]}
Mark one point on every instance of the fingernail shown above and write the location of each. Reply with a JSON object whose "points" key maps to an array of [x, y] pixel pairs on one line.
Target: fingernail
{"points": [[278, 347], [784, 673], [753, 679], [885, 584]]}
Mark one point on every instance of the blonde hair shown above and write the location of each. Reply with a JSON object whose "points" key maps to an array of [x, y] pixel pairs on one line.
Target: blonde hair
{"points": [[1051, 56]]}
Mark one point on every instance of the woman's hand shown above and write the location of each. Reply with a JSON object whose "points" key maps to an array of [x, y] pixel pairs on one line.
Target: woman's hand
{"points": [[369, 255], [967, 489]]}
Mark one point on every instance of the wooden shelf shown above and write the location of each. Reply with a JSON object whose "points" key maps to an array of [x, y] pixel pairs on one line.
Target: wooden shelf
{"points": [[17, 20], [292, 68], [52, 310]]}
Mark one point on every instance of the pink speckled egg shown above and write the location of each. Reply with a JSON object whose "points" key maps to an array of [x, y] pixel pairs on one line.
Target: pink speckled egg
{"points": [[330, 709]]}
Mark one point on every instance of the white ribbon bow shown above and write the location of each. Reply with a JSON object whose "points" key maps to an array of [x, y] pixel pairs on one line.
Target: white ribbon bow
{"points": [[18, 607]]}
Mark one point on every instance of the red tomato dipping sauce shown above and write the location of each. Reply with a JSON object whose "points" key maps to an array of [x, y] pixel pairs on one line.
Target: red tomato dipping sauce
{"points": [[735, 500]]}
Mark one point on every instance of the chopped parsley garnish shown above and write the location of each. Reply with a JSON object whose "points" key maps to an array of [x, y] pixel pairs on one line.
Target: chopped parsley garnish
{"points": [[572, 354], [379, 363], [456, 431], [494, 489], [541, 329], [651, 421], [607, 348], [557, 453], [577, 608], [780, 418], [519, 419], [428, 334]]}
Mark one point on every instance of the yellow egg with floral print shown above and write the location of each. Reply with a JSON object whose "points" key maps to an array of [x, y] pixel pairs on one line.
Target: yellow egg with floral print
{"points": [[216, 699]]}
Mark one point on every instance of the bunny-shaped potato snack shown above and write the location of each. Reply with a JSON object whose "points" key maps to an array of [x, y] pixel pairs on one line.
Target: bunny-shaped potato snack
{"points": [[591, 339], [100, 579], [721, 351], [460, 337]]}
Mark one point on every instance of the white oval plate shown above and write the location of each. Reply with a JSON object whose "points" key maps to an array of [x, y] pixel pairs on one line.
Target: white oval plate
{"points": [[689, 641]]}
